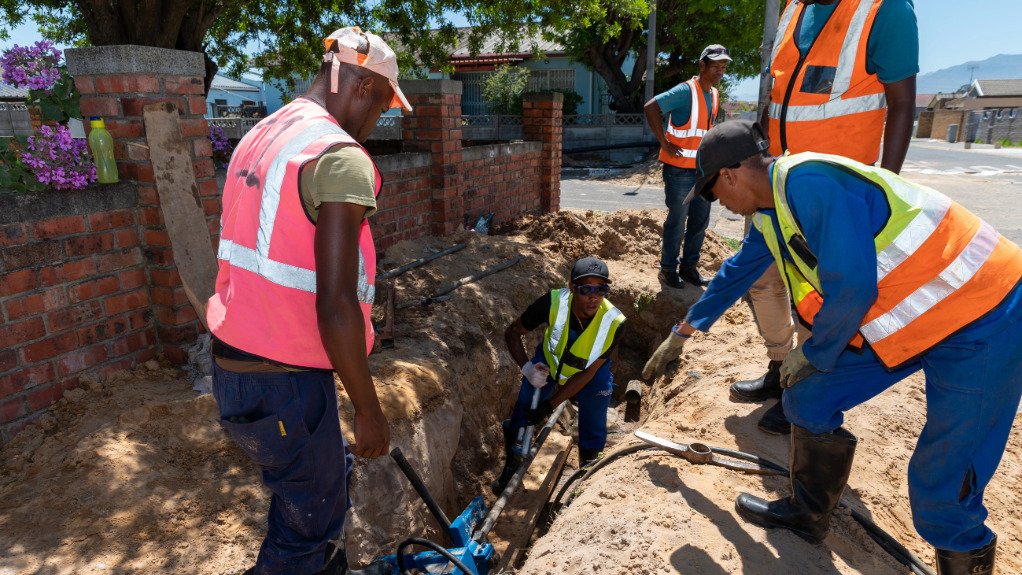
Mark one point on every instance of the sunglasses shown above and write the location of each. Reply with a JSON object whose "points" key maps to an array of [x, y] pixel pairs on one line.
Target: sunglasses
{"points": [[592, 289]]}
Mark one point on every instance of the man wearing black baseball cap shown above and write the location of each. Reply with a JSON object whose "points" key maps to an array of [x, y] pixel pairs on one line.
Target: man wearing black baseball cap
{"points": [[572, 361], [689, 117], [893, 278]]}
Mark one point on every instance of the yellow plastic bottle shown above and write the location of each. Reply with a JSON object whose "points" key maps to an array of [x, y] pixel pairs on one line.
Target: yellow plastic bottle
{"points": [[102, 145]]}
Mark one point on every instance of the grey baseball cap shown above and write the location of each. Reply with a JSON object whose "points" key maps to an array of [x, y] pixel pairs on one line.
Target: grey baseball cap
{"points": [[725, 145], [715, 52], [590, 267]]}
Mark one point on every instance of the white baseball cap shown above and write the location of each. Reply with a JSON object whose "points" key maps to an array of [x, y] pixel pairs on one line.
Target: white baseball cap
{"points": [[379, 58]]}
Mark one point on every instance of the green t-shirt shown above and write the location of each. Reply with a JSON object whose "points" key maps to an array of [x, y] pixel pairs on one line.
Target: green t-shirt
{"points": [[343, 174]]}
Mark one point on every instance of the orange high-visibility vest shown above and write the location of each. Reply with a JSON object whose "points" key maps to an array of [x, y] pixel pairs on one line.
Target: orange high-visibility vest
{"points": [[825, 101], [688, 136], [265, 298], [939, 266]]}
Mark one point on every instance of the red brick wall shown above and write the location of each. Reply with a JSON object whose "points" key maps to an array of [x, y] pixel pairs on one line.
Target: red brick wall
{"points": [[403, 208], [75, 299], [502, 178], [117, 83]]}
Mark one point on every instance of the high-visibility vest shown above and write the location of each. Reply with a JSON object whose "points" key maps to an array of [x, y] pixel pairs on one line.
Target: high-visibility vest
{"points": [[825, 101], [939, 267], [688, 135], [593, 342], [265, 298]]}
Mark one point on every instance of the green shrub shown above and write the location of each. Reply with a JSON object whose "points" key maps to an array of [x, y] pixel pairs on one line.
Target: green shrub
{"points": [[572, 100], [503, 89]]}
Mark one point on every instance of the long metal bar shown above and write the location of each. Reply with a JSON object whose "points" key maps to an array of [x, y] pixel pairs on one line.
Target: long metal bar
{"points": [[419, 262], [420, 488], [516, 479], [465, 280]]}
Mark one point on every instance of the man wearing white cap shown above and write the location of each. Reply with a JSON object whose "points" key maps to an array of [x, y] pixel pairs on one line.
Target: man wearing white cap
{"points": [[293, 297], [689, 117]]}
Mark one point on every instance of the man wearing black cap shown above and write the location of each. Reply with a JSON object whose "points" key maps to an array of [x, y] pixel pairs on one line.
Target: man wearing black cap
{"points": [[893, 278], [572, 361], [688, 119]]}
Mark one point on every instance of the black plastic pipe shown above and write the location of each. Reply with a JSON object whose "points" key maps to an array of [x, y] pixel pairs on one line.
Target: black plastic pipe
{"points": [[420, 488]]}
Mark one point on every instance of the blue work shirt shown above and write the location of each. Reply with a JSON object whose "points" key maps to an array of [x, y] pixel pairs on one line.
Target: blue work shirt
{"points": [[678, 103], [840, 214], [892, 50]]}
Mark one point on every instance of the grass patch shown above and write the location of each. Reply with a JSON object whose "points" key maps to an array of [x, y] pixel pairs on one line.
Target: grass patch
{"points": [[734, 244]]}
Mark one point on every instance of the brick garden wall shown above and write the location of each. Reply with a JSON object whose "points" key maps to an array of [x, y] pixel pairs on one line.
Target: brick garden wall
{"points": [[503, 179], [75, 296]]}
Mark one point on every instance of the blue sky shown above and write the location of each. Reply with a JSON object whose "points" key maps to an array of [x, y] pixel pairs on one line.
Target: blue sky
{"points": [[951, 32]]}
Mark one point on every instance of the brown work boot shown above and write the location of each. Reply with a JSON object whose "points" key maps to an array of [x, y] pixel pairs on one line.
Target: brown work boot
{"points": [[976, 562], [820, 466]]}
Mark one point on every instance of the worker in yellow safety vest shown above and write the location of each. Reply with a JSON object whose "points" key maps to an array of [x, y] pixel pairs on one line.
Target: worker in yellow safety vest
{"points": [[572, 361]]}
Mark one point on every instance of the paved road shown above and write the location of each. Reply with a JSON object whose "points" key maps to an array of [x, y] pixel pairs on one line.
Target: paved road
{"points": [[985, 180]]}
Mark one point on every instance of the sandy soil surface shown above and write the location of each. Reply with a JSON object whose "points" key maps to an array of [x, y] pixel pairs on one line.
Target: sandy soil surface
{"points": [[133, 475]]}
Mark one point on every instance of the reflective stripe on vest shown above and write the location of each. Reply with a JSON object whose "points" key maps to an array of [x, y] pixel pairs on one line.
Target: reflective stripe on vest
{"points": [[939, 267], [687, 136], [265, 297], [826, 101], [593, 342]]}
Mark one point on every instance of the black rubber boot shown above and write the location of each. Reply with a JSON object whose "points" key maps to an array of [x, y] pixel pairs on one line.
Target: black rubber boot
{"points": [[820, 465], [587, 457], [976, 562], [765, 387], [336, 561], [512, 459], [774, 421]]}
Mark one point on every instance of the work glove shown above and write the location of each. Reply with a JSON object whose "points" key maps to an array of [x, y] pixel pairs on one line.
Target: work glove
{"points": [[795, 368], [535, 373], [668, 351], [539, 415]]}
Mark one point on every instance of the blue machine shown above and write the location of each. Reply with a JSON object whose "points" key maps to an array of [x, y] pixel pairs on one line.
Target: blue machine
{"points": [[473, 554]]}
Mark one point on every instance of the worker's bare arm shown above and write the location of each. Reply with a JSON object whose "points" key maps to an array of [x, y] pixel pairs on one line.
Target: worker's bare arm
{"points": [[341, 326]]}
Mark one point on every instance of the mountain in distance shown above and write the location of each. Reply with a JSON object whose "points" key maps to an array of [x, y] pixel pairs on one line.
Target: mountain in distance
{"points": [[999, 67]]}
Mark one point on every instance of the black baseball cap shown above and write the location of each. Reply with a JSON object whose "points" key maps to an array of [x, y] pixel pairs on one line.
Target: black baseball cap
{"points": [[725, 145], [590, 267], [715, 52]]}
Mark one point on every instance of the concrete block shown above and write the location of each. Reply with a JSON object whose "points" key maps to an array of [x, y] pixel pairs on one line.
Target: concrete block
{"points": [[128, 59]]}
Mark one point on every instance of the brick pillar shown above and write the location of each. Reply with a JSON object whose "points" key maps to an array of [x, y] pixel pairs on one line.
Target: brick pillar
{"points": [[116, 82], [541, 122], [434, 126]]}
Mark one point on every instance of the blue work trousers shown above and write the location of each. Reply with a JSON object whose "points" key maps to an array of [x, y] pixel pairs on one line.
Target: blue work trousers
{"points": [[593, 401], [287, 424], [973, 387], [689, 220]]}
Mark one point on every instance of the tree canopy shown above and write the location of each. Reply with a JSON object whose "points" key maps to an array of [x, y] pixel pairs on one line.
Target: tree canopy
{"points": [[286, 36]]}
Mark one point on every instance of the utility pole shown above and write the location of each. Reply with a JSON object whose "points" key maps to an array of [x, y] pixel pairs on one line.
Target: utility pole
{"points": [[651, 51], [773, 14]]}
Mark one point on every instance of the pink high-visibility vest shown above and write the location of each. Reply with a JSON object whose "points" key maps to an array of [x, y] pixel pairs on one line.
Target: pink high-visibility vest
{"points": [[265, 298]]}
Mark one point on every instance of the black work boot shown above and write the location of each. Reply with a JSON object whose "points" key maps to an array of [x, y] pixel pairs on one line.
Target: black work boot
{"points": [[764, 387], [587, 457], [820, 465], [692, 276], [512, 459], [336, 561], [670, 278], [976, 562], [774, 421]]}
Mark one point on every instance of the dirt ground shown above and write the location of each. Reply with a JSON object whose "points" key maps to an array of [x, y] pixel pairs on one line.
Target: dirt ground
{"points": [[133, 474]]}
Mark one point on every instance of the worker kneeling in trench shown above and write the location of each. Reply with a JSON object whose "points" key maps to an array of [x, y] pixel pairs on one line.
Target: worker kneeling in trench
{"points": [[572, 361]]}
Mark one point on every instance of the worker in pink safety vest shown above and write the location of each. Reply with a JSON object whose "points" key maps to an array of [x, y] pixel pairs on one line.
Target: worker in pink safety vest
{"points": [[293, 296]]}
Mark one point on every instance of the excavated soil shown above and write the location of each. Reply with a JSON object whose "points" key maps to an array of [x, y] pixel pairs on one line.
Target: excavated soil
{"points": [[133, 474]]}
